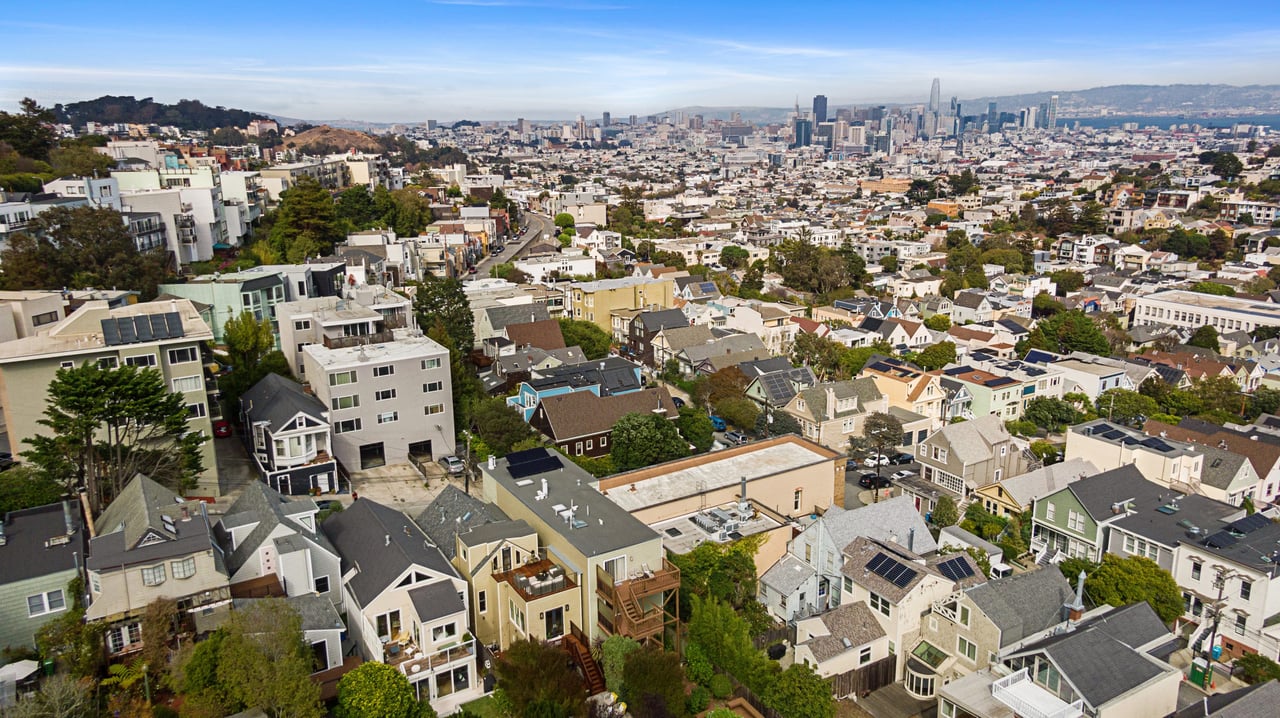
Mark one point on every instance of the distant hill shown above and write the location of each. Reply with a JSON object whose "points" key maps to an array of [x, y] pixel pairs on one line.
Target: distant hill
{"points": [[186, 114], [332, 139]]}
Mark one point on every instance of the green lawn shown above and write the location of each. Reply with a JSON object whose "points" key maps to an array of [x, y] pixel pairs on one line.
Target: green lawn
{"points": [[483, 708]]}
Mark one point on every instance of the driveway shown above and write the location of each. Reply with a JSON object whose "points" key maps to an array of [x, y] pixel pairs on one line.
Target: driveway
{"points": [[235, 468], [401, 486]]}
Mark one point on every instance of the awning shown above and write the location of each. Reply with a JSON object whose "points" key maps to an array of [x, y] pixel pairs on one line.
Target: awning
{"points": [[221, 245]]}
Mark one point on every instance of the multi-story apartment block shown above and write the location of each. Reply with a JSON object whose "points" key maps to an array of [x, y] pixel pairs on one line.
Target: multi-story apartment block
{"points": [[387, 401], [363, 315], [596, 301], [1192, 310], [1174, 464], [23, 313], [16, 215], [331, 173], [167, 336]]}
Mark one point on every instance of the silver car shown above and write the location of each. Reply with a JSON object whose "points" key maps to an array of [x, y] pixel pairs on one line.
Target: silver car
{"points": [[453, 465]]}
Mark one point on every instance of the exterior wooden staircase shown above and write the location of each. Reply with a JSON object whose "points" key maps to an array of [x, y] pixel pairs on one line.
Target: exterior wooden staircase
{"points": [[579, 650]]}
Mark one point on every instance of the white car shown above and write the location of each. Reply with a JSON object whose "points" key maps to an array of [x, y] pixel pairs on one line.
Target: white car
{"points": [[875, 459], [899, 475]]}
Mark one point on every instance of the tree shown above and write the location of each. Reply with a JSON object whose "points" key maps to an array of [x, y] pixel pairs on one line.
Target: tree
{"points": [[799, 692], [30, 132], [444, 301], [644, 439], [1092, 219], [938, 322], [593, 340], [776, 423], [25, 487], [1214, 288], [265, 640], [1124, 406], [944, 512], [1050, 414], [356, 207], [1256, 668], [734, 257], [1122, 581], [248, 340], [1067, 332], [1043, 305], [74, 643], [108, 425], [695, 426], [1227, 165], [722, 572], [613, 658], [1068, 280], [60, 696], [820, 354], [564, 220], [377, 690], [307, 223], [532, 673], [883, 433], [1206, 337], [936, 356], [653, 683], [722, 635], [80, 247], [963, 183], [498, 424], [738, 411]]}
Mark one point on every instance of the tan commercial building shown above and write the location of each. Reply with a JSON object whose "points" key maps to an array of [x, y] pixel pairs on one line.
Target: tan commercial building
{"points": [[596, 301]]}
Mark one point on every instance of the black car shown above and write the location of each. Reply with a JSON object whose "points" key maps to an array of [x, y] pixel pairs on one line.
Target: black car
{"points": [[6, 460], [901, 459], [678, 402], [871, 481]]}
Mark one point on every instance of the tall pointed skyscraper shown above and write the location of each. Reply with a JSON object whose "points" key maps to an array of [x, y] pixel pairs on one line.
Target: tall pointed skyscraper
{"points": [[935, 97]]}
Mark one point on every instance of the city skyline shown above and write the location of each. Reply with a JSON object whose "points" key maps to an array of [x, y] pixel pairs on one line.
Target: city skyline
{"points": [[499, 59]]}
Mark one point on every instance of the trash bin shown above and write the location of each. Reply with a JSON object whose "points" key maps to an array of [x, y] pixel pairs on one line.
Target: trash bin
{"points": [[1201, 672], [47, 666]]}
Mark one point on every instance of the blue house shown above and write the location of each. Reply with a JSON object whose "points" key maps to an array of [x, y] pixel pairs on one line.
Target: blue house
{"points": [[607, 377]]}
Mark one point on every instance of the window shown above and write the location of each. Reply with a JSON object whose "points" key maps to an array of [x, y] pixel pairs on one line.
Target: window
{"points": [[967, 648], [1240, 621], [141, 360], [153, 575], [188, 383], [342, 377], [42, 603], [195, 411], [108, 363], [441, 633], [1195, 570], [388, 417], [95, 583], [1049, 511], [432, 386], [864, 656], [302, 325], [881, 604], [67, 364], [40, 320], [345, 402], [434, 409], [343, 427], [1246, 589], [848, 585], [184, 355], [384, 394], [122, 636], [1075, 521], [431, 363], [387, 370], [482, 602], [322, 584], [964, 615], [796, 499], [186, 568]]}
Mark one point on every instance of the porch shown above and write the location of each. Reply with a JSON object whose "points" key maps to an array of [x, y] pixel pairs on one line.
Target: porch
{"points": [[641, 606]]}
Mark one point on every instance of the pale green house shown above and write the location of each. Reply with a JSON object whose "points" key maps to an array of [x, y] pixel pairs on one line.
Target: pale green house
{"points": [[40, 554]]}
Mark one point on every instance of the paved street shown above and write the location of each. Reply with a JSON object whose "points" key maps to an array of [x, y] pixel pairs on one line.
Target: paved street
{"points": [[536, 225]]}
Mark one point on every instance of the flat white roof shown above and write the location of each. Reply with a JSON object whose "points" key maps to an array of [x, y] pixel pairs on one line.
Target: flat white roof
{"points": [[405, 346]]}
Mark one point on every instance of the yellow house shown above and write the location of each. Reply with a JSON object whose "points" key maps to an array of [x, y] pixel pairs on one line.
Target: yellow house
{"points": [[1014, 495], [597, 301], [908, 387]]}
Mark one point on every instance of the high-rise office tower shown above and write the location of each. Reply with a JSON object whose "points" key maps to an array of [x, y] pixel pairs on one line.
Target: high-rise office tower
{"points": [[604, 120], [803, 132], [819, 108], [1051, 117], [935, 96], [993, 117]]}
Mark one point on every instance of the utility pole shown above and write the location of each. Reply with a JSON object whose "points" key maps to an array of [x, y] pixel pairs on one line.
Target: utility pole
{"points": [[1223, 573]]}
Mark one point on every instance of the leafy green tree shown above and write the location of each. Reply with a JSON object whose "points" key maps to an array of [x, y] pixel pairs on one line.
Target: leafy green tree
{"points": [[776, 423], [195, 675], [938, 322], [1214, 288], [564, 220], [644, 439], [613, 658], [1044, 305], [377, 690], [883, 433], [1256, 668], [820, 354], [29, 132], [722, 635], [722, 572], [936, 356], [1205, 337], [73, 159], [355, 206], [963, 183], [536, 676], [1227, 165], [738, 411], [1051, 414], [60, 696], [1067, 332], [695, 426], [75, 643], [734, 257], [79, 247], [653, 683], [800, 693], [499, 425], [945, 512], [407, 213], [444, 301], [889, 263], [1122, 581], [1092, 218], [1068, 280], [593, 340], [108, 425], [248, 340], [25, 487], [1124, 406], [265, 640], [307, 223]]}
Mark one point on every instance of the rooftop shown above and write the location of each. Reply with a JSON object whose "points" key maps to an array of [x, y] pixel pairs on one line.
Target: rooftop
{"points": [[718, 524], [408, 344]]}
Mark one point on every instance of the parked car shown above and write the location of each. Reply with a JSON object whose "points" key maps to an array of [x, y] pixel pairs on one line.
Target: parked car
{"points": [[6, 460], [678, 402], [735, 437], [900, 475], [875, 459], [903, 458], [222, 428], [453, 464], [499, 249], [871, 481], [717, 423], [471, 269], [326, 504]]}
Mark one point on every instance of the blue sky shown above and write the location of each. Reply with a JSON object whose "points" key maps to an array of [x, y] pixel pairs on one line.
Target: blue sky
{"points": [[411, 60]]}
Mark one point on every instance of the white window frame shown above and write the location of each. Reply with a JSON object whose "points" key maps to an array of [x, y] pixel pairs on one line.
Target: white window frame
{"points": [[342, 378], [339, 403], [384, 370], [184, 568], [154, 575], [141, 360], [388, 417], [432, 363], [961, 651], [432, 386], [347, 426], [176, 356], [430, 409], [46, 603], [384, 394], [196, 382]]}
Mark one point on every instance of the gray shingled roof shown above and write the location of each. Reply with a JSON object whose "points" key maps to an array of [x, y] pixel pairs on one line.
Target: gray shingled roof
{"points": [[1024, 604], [436, 600], [883, 521], [1024, 488], [864, 390], [787, 575], [852, 621], [268, 508], [138, 513], [454, 512], [277, 400], [501, 316], [1100, 667], [1098, 493], [380, 543]]}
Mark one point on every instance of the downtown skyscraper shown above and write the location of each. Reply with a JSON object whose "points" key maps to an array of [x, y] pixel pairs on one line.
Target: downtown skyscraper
{"points": [[819, 109]]}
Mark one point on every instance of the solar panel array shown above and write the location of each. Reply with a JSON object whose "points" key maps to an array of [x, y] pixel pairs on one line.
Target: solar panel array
{"points": [[1250, 523], [117, 331], [531, 462], [1222, 539], [777, 385], [956, 568], [891, 570]]}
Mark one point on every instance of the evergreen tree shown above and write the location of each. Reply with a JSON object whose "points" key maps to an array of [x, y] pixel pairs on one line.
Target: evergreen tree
{"points": [[307, 223]]}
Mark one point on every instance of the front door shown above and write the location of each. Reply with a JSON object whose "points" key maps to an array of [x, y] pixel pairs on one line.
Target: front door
{"points": [[554, 623]]}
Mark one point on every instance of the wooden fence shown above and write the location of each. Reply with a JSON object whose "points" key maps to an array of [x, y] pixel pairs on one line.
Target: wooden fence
{"points": [[862, 681]]}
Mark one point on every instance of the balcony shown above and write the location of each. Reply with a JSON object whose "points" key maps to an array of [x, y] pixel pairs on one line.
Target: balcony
{"points": [[1028, 700], [538, 579], [414, 663], [346, 342], [634, 615]]}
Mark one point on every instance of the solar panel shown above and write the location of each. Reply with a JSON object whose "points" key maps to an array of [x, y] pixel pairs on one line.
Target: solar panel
{"points": [[1157, 444], [520, 457], [174, 321], [1102, 428], [159, 327], [110, 333], [1222, 539], [891, 571], [956, 569], [1250, 523], [1114, 435], [531, 462], [127, 333]]}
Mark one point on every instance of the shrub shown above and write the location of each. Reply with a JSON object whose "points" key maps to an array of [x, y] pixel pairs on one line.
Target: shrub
{"points": [[721, 686], [699, 699], [697, 666]]}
